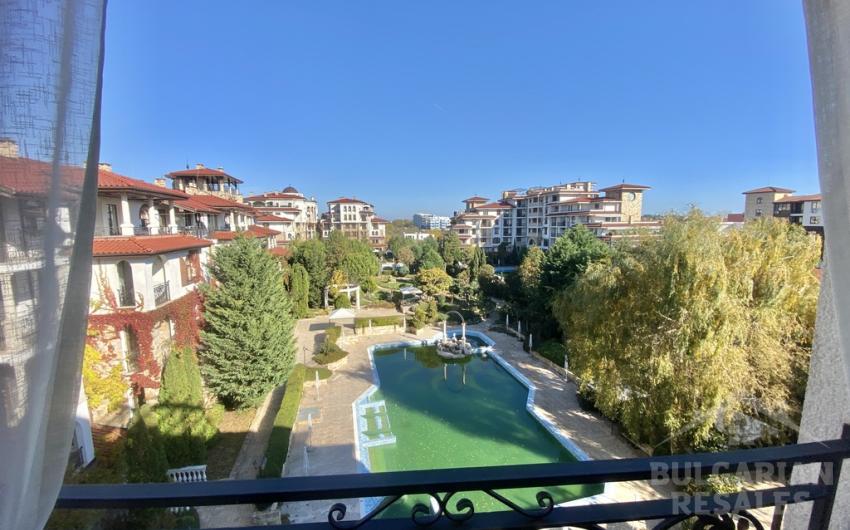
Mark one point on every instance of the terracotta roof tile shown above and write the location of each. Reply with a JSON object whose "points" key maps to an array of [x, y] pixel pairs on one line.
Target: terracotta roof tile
{"points": [[769, 189], [625, 186], [475, 199], [800, 198], [144, 245], [111, 181], [346, 200]]}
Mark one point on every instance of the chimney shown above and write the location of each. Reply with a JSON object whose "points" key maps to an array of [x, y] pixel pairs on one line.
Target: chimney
{"points": [[104, 166], [159, 182], [199, 166], [8, 147]]}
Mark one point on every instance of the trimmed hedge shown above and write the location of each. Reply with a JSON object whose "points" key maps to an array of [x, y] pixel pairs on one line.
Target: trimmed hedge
{"points": [[391, 320], [552, 350], [284, 420]]}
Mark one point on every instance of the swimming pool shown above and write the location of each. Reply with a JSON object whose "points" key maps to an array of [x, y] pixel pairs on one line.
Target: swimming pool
{"points": [[430, 413]]}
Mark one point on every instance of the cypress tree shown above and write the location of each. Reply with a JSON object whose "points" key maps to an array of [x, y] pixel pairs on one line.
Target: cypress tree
{"points": [[248, 345], [299, 290]]}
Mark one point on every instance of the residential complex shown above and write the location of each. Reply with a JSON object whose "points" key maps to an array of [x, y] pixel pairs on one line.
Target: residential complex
{"points": [[429, 221], [288, 212], [538, 216], [356, 219], [771, 201]]}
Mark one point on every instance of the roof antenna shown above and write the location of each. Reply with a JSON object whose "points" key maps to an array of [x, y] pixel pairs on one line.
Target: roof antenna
{"points": [[187, 163]]}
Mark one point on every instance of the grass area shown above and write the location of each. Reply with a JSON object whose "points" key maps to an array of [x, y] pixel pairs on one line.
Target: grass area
{"points": [[310, 373], [284, 420], [391, 320], [225, 446], [552, 350]]}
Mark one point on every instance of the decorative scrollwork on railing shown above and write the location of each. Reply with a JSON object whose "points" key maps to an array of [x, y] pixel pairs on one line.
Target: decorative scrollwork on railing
{"points": [[423, 516], [544, 500], [337, 513], [714, 522]]}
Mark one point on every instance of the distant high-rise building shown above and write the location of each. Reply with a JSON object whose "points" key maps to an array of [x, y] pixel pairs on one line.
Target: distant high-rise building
{"points": [[538, 216], [429, 221]]}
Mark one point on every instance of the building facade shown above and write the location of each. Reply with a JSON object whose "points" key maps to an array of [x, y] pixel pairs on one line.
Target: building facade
{"points": [[759, 202], [357, 220], [429, 221], [293, 214], [538, 216], [203, 180], [804, 210]]}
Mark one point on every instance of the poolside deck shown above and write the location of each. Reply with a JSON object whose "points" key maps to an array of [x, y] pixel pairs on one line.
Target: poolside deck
{"points": [[331, 441]]}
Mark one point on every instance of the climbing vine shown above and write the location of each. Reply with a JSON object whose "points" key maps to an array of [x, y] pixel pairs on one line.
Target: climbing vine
{"points": [[102, 380], [184, 312]]}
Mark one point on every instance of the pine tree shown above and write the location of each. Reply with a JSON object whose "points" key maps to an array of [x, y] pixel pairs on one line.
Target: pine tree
{"points": [[248, 345]]}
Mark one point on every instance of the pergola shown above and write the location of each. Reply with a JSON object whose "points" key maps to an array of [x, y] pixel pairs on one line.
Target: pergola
{"points": [[347, 289]]}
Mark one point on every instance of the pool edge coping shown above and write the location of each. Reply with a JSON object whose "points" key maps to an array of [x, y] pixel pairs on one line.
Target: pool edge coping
{"points": [[364, 465]]}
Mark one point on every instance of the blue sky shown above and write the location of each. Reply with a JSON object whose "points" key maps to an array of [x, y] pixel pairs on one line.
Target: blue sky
{"points": [[414, 106]]}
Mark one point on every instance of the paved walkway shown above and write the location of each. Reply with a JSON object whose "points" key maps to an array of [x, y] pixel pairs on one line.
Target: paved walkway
{"points": [[332, 435]]}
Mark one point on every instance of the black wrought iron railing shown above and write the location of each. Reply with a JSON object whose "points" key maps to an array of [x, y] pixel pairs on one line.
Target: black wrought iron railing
{"points": [[161, 293], [451, 508]]}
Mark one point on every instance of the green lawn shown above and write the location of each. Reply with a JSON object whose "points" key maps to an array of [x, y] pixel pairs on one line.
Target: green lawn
{"points": [[222, 451]]}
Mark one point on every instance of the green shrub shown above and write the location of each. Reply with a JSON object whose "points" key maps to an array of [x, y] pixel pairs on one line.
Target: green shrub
{"points": [[180, 416], [284, 420], [392, 320], [342, 301], [552, 350], [330, 352], [144, 452], [425, 313], [310, 373]]}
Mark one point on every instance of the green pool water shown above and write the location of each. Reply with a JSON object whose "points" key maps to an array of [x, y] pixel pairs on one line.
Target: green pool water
{"points": [[457, 413]]}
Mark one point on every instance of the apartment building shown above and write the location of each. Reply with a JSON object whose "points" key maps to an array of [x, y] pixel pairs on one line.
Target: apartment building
{"points": [[288, 212], [356, 219], [429, 221], [759, 202], [538, 216], [804, 210]]}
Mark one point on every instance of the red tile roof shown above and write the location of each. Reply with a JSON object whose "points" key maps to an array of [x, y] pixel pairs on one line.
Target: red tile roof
{"points": [[494, 206], [379, 220], [144, 245], [268, 218], [769, 189], [217, 203], [475, 199], [625, 186], [800, 198], [25, 176], [346, 200], [194, 205], [279, 251], [252, 231], [111, 181], [263, 231], [201, 172]]}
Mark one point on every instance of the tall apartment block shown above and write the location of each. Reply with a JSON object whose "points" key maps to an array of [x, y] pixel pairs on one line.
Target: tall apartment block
{"points": [[538, 216], [429, 221]]}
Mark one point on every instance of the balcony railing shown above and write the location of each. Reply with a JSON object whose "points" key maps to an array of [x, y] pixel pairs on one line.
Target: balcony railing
{"points": [[451, 509], [161, 293]]}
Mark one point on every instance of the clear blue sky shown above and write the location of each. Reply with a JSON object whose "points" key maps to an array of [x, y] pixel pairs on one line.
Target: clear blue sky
{"points": [[416, 105]]}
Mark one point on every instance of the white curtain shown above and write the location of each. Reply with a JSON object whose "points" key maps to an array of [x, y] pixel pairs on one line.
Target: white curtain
{"points": [[50, 79]]}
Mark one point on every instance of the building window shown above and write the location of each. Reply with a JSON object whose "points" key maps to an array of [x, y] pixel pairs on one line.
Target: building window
{"points": [[758, 212], [112, 219], [815, 206], [759, 200], [814, 220]]}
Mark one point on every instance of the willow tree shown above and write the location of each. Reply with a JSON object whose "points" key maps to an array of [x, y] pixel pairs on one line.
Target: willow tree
{"points": [[248, 345], [686, 330]]}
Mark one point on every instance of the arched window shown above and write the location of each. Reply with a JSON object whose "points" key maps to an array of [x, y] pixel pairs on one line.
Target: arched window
{"points": [[126, 292]]}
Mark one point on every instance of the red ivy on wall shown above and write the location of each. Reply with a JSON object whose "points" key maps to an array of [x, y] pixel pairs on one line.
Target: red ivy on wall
{"points": [[185, 312]]}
